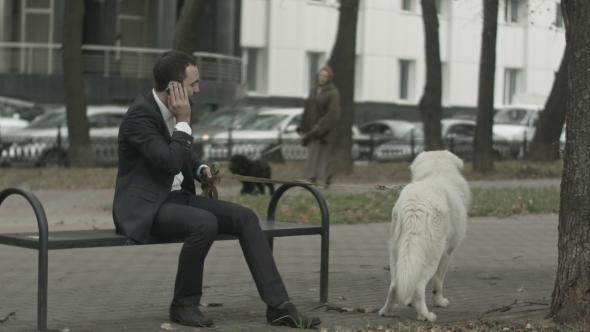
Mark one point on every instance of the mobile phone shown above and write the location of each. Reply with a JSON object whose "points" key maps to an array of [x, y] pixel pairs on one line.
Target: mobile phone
{"points": [[190, 100]]}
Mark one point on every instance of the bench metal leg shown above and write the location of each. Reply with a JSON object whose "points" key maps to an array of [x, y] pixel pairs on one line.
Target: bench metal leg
{"points": [[325, 216], [42, 289], [325, 254], [43, 250], [271, 242]]}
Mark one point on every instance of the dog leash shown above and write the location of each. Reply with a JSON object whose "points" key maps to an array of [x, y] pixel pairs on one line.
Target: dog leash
{"points": [[211, 192]]}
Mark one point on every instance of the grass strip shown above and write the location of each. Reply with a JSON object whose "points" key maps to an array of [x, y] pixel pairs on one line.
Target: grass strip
{"points": [[376, 206], [383, 173]]}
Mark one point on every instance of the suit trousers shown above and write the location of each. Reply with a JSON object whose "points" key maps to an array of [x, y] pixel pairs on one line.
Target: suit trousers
{"points": [[198, 220]]}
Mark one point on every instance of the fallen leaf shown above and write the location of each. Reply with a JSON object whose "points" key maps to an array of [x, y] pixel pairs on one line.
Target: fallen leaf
{"points": [[212, 304], [167, 326]]}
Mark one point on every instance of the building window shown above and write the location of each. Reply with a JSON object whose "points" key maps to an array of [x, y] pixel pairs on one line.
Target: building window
{"points": [[405, 79], [132, 27], [407, 5], [314, 61], [510, 85], [251, 59], [558, 16], [511, 11]]}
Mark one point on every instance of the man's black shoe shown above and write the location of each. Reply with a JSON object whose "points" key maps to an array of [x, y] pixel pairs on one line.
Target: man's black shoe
{"points": [[290, 316], [190, 316]]}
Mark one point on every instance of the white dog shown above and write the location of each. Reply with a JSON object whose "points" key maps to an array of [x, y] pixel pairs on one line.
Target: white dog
{"points": [[427, 223]]}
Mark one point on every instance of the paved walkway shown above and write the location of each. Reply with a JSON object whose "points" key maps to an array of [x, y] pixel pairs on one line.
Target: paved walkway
{"points": [[129, 288]]}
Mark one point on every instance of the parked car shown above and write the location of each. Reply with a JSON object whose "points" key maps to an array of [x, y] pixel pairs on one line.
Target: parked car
{"points": [[10, 123], [221, 120], [375, 133], [257, 133], [562, 141], [516, 123], [457, 134], [263, 131], [38, 143], [513, 121], [22, 109]]}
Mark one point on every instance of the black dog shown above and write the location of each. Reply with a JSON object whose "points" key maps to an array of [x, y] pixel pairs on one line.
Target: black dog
{"points": [[241, 165]]}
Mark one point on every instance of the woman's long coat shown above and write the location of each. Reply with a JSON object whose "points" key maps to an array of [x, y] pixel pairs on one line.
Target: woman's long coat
{"points": [[322, 112]]}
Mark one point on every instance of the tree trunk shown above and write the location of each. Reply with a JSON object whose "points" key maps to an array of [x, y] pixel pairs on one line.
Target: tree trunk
{"points": [[483, 154], [185, 36], [570, 301], [80, 151], [342, 62], [545, 144], [430, 103]]}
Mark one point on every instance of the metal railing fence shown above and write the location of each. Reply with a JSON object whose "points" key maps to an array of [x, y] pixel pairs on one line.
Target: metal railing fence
{"points": [[52, 151], [109, 61]]}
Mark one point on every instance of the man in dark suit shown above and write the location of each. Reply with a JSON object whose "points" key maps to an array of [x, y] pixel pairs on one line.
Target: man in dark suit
{"points": [[155, 195]]}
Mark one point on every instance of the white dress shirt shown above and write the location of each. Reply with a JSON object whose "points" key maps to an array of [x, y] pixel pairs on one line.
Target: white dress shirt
{"points": [[172, 126]]}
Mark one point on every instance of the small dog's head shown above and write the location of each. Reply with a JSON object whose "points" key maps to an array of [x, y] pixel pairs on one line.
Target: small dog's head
{"points": [[239, 164], [429, 163]]}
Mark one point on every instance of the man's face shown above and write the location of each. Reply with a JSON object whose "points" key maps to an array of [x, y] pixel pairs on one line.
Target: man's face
{"points": [[191, 81]]}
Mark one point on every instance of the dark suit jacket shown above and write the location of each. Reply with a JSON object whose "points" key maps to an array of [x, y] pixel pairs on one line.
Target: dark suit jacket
{"points": [[149, 158]]}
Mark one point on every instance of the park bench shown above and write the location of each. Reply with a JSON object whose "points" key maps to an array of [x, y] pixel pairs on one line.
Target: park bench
{"points": [[44, 240]]}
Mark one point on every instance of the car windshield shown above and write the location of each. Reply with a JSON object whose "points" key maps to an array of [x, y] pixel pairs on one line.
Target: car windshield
{"points": [[222, 119], [416, 131], [51, 120], [510, 116], [6, 111], [263, 122]]}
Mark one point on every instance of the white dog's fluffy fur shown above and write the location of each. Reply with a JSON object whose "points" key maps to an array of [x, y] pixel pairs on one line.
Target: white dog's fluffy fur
{"points": [[427, 223]]}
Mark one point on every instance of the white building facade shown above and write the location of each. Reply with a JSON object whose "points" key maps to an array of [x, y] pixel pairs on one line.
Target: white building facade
{"points": [[285, 42]]}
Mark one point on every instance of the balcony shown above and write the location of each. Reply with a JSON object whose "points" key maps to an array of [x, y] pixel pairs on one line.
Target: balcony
{"points": [[33, 71]]}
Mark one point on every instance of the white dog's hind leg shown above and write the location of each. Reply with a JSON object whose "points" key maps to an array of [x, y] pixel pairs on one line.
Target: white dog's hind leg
{"points": [[408, 302], [420, 304], [387, 309], [437, 282]]}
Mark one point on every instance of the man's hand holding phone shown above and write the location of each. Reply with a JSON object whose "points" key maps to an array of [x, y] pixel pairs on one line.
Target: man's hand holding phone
{"points": [[178, 102]]}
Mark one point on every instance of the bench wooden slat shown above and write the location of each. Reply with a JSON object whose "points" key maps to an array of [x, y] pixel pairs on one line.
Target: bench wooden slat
{"points": [[108, 237]]}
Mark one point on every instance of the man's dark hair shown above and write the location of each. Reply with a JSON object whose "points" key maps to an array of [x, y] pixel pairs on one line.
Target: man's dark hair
{"points": [[171, 66]]}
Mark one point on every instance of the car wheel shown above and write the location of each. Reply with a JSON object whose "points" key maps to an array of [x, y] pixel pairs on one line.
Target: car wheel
{"points": [[276, 156], [53, 158], [4, 162], [497, 155], [356, 152]]}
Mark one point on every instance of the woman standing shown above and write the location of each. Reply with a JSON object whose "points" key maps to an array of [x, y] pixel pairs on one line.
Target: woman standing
{"points": [[320, 116]]}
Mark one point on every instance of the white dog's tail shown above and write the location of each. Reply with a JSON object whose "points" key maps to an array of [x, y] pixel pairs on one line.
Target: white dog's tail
{"points": [[420, 234]]}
